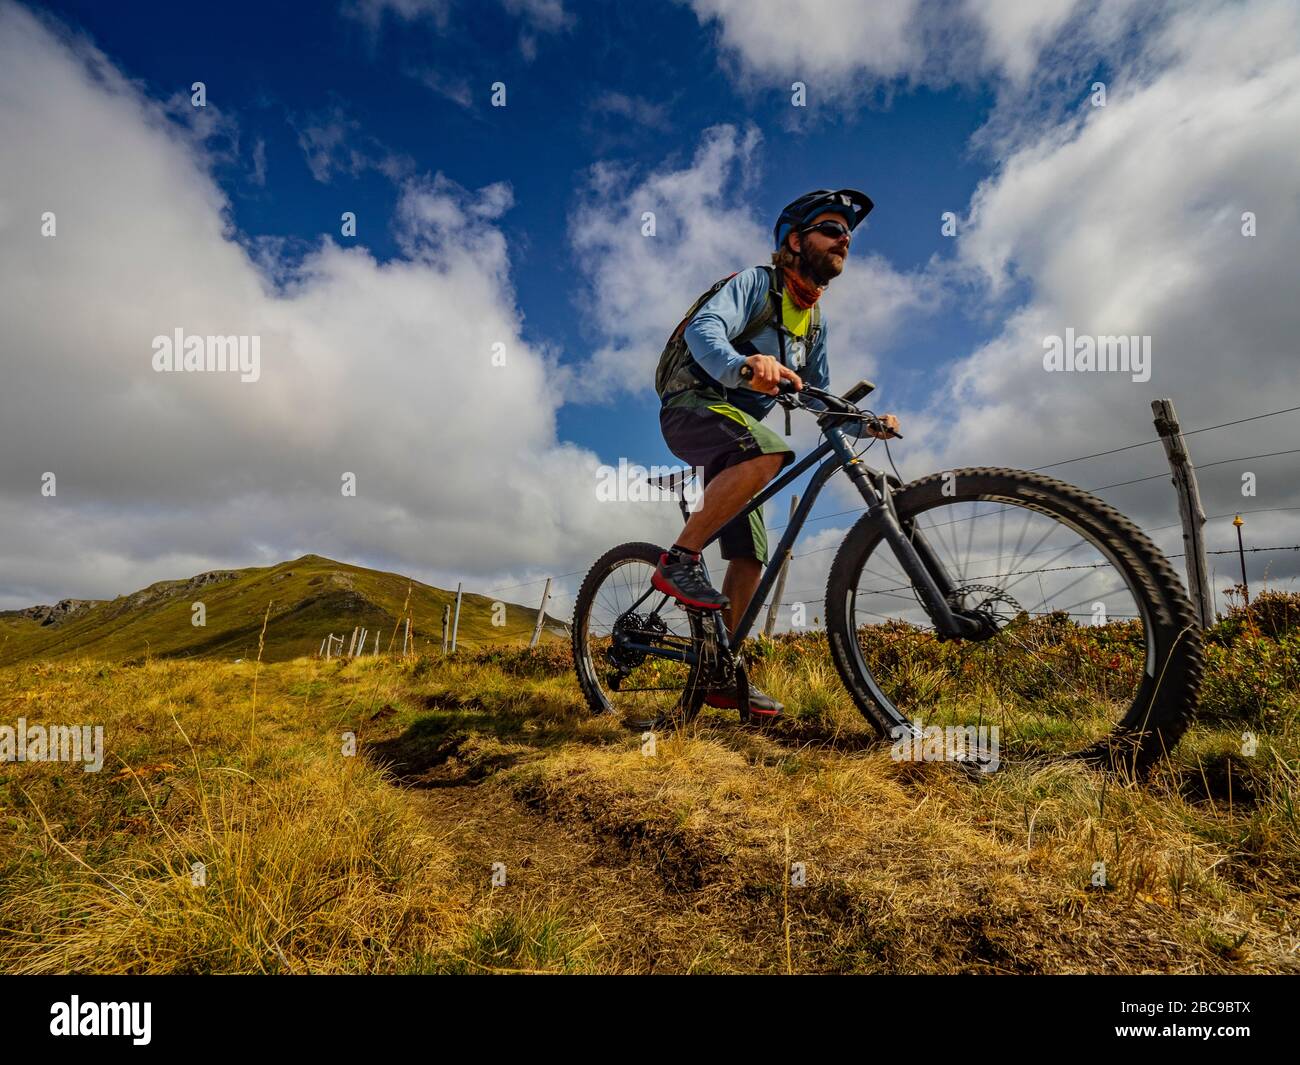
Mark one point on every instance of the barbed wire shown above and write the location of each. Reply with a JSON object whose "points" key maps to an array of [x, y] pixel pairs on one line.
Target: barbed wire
{"points": [[563, 594], [1235, 550], [529, 584], [1156, 440], [1127, 447], [1022, 572], [478, 642], [1199, 466]]}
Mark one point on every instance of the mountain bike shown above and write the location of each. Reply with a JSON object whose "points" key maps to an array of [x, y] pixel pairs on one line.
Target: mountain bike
{"points": [[969, 597]]}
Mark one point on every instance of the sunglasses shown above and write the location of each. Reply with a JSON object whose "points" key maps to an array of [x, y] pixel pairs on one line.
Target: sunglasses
{"points": [[831, 229]]}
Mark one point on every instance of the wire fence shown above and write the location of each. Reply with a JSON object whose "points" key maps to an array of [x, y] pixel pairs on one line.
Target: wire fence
{"points": [[562, 596]]}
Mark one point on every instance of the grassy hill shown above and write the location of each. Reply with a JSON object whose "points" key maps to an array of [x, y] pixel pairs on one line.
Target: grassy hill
{"points": [[308, 598]]}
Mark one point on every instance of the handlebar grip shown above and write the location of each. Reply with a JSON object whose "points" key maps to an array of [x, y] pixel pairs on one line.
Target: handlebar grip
{"points": [[784, 385]]}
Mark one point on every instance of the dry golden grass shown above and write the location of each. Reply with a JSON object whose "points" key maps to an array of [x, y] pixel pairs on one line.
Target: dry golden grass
{"points": [[617, 861], [917, 868], [312, 862]]}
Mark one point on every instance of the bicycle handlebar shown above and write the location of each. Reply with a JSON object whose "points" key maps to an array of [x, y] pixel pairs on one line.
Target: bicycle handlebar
{"points": [[840, 405]]}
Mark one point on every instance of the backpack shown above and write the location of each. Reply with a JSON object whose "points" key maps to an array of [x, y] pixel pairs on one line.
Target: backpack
{"points": [[678, 371]]}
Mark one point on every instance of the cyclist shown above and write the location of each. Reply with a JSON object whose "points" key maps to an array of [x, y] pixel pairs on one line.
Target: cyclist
{"points": [[766, 318]]}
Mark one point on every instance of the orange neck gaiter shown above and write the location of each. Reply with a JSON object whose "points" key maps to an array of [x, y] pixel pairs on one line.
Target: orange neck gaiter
{"points": [[802, 292]]}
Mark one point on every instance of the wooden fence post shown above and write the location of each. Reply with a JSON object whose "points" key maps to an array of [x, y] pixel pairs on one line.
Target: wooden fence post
{"points": [[455, 621], [541, 614], [775, 604], [1190, 511]]}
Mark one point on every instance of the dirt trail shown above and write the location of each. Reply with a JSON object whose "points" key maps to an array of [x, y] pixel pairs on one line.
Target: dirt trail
{"points": [[678, 862], [636, 923]]}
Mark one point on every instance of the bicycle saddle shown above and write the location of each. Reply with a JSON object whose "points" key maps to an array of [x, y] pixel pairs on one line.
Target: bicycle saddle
{"points": [[673, 481]]}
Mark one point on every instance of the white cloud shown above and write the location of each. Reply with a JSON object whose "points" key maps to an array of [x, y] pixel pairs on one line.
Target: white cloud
{"points": [[638, 109], [322, 140], [842, 48], [258, 174], [1127, 220], [454, 88], [1015, 32], [333, 143], [372, 12], [536, 17], [380, 369], [704, 230], [817, 39], [544, 16]]}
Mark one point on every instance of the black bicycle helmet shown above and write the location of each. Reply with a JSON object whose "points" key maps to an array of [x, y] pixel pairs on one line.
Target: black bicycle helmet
{"points": [[852, 204]]}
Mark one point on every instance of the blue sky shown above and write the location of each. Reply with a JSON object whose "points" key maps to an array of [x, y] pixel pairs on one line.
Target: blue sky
{"points": [[522, 224], [277, 71]]}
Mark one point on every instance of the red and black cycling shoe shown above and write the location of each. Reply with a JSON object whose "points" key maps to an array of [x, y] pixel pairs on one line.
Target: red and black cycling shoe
{"points": [[760, 703], [682, 577]]}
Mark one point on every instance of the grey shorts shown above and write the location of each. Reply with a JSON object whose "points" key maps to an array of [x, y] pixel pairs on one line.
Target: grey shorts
{"points": [[703, 429]]}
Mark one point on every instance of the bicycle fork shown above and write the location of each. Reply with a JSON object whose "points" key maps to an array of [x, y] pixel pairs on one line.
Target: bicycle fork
{"points": [[927, 573]]}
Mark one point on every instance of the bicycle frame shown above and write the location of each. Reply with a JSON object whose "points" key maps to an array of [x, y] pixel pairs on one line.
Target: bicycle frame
{"points": [[928, 575]]}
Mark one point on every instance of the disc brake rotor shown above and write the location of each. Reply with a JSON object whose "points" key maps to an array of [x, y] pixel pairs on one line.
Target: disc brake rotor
{"points": [[1000, 608]]}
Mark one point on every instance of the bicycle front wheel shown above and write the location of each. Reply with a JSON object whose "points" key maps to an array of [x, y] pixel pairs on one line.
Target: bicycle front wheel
{"points": [[1096, 651]]}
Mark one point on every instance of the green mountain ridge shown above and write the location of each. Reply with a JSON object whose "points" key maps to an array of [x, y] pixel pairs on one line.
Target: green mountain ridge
{"points": [[309, 598]]}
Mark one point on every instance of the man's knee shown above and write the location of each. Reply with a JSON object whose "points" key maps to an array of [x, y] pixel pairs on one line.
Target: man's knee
{"points": [[766, 466]]}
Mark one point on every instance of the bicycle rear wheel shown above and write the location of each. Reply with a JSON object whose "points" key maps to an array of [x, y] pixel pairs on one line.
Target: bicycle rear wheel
{"points": [[1097, 653], [618, 611]]}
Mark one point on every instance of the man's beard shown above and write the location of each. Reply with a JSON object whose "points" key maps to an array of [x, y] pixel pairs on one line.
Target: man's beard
{"points": [[822, 268]]}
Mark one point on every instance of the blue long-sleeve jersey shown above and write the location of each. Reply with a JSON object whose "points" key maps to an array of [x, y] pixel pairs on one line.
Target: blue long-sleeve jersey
{"points": [[708, 336]]}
